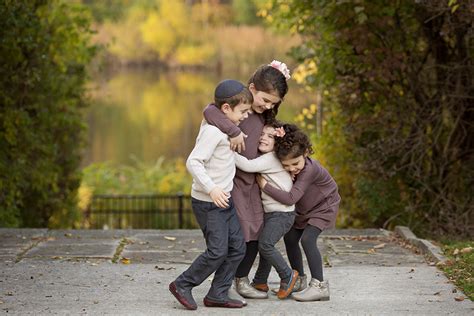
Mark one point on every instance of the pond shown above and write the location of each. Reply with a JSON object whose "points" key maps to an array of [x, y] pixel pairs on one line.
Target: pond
{"points": [[142, 115]]}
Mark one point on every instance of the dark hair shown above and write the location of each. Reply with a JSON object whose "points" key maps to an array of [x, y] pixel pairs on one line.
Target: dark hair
{"points": [[293, 144], [244, 96], [270, 80]]}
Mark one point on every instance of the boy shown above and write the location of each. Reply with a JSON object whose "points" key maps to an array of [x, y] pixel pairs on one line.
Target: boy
{"points": [[212, 165]]}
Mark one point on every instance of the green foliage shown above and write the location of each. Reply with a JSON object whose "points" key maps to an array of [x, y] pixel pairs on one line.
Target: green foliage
{"points": [[401, 75], [160, 178], [44, 50], [460, 266]]}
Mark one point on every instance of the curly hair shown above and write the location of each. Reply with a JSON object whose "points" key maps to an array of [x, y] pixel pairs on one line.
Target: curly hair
{"points": [[293, 144], [270, 80]]}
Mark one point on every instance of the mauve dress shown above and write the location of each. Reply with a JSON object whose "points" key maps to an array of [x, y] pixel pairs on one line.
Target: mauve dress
{"points": [[246, 193], [315, 195]]}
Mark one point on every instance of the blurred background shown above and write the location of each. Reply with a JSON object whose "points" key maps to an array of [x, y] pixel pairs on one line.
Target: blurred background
{"points": [[102, 100]]}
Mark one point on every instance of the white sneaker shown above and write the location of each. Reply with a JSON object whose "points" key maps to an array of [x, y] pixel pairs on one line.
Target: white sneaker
{"points": [[234, 295], [316, 291], [243, 287]]}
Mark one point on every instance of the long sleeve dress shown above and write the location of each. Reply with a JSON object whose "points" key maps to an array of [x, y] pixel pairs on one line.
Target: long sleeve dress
{"points": [[315, 195], [246, 193]]}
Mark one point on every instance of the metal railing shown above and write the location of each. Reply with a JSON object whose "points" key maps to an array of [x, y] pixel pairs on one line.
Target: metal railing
{"points": [[146, 211]]}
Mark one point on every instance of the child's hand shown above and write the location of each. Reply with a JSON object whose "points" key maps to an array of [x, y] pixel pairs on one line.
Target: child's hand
{"points": [[261, 181], [238, 143], [219, 197]]}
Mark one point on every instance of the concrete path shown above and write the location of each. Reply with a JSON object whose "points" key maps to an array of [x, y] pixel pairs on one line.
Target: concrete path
{"points": [[127, 272]]}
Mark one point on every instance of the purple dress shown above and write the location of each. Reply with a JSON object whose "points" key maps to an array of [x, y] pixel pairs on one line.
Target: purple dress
{"points": [[246, 193], [315, 195]]}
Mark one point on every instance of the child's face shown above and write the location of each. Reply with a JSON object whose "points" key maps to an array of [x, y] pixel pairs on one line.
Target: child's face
{"points": [[294, 165], [267, 140], [263, 101], [239, 113]]}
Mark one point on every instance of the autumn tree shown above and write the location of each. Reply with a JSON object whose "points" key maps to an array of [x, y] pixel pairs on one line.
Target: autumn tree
{"points": [[399, 74]]}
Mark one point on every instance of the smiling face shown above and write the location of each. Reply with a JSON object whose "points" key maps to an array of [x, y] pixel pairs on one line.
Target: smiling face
{"points": [[294, 165], [267, 140], [263, 101], [237, 114]]}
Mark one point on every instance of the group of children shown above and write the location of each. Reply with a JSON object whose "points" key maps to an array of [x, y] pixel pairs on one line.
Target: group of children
{"points": [[246, 200]]}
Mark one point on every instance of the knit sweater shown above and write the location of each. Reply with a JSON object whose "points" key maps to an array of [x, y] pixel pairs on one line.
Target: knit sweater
{"points": [[211, 163], [246, 193], [271, 169]]}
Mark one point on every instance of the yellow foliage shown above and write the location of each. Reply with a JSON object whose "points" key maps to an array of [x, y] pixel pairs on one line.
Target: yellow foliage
{"points": [[163, 30], [195, 54], [84, 196]]}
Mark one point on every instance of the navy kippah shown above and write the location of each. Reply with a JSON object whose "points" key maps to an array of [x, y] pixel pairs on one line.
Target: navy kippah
{"points": [[228, 88]]}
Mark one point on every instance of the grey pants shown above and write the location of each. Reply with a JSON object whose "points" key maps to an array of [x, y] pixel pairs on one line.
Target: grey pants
{"points": [[225, 249], [276, 225]]}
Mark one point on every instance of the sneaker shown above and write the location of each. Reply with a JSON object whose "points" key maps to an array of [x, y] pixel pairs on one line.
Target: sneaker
{"points": [[316, 291], [262, 287], [243, 287], [300, 285], [185, 297], [287, 288], [225, 304]]}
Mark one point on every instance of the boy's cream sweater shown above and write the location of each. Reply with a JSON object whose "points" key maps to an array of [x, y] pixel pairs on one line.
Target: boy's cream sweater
{"points": [[211, 163]]}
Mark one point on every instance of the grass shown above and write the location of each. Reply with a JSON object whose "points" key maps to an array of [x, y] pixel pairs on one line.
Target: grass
{"points": [[460, 266]]}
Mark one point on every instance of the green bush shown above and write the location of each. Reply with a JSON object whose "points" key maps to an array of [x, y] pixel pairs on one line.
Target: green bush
{"points": [[44, 49]]}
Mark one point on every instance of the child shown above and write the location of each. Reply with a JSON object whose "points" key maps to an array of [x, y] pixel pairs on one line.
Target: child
{"points": [[278, 218], [212, 166], [315, 195], [268, 86]]}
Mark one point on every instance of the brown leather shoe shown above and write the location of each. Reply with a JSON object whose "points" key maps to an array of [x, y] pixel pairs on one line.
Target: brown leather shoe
{"points": [[185, 298], [263, 287], [226, 304], [286, 289]]}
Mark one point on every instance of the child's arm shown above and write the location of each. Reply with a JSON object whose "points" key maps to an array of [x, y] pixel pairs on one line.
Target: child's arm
{"points": [[303, 181], [216, 117], [266, 163]]}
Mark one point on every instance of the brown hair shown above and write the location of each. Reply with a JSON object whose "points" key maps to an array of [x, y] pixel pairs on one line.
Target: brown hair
{"points": [[293, 144], [270, 80]]}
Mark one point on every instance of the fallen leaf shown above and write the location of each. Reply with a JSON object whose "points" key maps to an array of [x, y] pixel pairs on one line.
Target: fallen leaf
{"points": [[68, 234], [125, 260], [459, 298], [371, 251], [159, 268], [379, 246], [437, 293], [348, 246], [96, 302], [466, 250], [170, 238]]}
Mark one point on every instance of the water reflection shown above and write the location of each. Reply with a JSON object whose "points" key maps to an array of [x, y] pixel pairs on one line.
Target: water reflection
{"points": [[143, 115]]}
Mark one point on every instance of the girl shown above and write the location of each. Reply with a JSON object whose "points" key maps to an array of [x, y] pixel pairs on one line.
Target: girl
{"points": [[278, 217], [315, 195], [268, 86]]}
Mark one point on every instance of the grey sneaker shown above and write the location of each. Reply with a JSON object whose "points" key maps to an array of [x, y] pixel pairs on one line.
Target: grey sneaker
{"points": [[243, 287], [316, 291], [300, 285]]}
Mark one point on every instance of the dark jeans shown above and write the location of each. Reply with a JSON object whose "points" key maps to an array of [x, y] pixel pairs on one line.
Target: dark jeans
{"points": [[225, 249], [276, 225], [309, 241]]}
